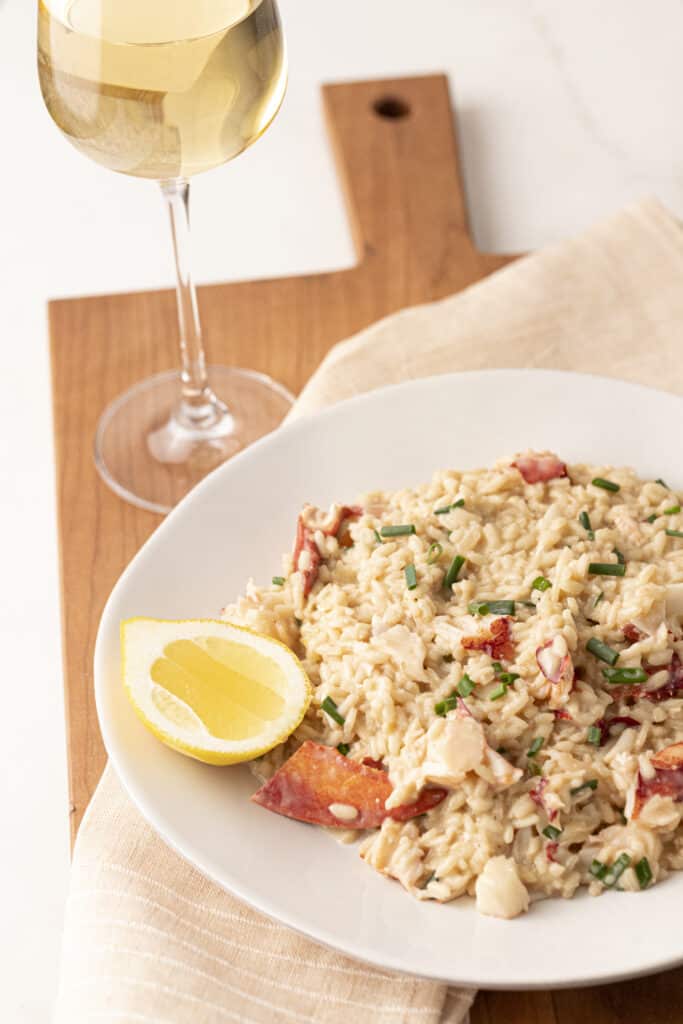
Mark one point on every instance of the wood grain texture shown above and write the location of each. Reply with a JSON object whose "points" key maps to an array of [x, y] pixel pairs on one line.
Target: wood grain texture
{"points": [[404, 191]]}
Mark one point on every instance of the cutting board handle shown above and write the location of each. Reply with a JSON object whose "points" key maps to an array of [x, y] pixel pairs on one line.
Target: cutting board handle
{"points": [[397, 156]]}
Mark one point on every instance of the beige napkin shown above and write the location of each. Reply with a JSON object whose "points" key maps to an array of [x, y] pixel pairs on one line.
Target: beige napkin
{"points": [[147, 938]]}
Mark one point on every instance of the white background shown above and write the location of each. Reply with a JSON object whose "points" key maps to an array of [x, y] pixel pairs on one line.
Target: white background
{"points": [[566, 112]]}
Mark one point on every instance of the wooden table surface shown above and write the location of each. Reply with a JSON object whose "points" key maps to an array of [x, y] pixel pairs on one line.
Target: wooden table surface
{"points": [[397, 157]]}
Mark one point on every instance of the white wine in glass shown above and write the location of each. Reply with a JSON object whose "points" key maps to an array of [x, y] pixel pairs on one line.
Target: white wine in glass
{"points": [[166, 89]]}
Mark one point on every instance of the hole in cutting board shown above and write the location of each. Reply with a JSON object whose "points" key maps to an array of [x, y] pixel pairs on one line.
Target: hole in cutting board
{"points": [[391, 107]]}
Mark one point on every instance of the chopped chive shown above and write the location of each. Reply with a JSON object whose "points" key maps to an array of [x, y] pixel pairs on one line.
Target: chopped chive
{"points": [[434, 553], [673, 511], [444, 706], [535, 747], [588, 784], [594, 735], [598, 870], [397, 531], [651, 519], [625, 675], [502, 607], [448, 658], [278, 581], [377, 537], [607, 485], [496, 666], [616, 871], [642, 868], [606, 569], [491, 608], [330, 708], [343, 748], [453, 571], [411, 577], [599, 598], [550, 832], [447, 508], [620, 558], [602, 651], [465, 686], [541, 583], [508, 677], [674, 533], [499, 692], [584, 519], [662, 484], [534, 768]]}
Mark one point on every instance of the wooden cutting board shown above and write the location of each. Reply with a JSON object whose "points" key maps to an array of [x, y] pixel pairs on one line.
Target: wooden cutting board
{"points": [[397, 157]]}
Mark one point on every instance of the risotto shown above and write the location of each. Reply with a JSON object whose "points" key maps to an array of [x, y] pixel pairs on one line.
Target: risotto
{"points": [[496, 659]]}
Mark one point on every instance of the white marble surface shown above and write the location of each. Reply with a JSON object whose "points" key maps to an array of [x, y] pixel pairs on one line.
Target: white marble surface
{"points": [[566, 112]]}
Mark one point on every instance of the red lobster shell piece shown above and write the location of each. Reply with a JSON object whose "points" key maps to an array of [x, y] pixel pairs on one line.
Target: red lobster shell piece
{"points": [[316, 781], [306, 557], [497, 641], [538, 469], [668, 778]]}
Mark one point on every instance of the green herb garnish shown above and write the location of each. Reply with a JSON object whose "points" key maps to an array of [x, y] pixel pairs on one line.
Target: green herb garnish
{"points": [[673, 511], [499, 692], [674, 533], [453, 571], [278, 581], [534, 768], [448, 508], [377, 537], [662, 484], [541, 583], [594, 735], [434, 553], [584, 519], [465, 686], [606, 569], [651, 519], [599, 598], [330, 708], [397, 531], [598, 870], [444, 706], [588, 784], [491, 608], [625, 675], [411, 577], [616, 871], [343, 748], [642, 868], [607, 485], [535, 747], [550, 832], [602, 651], [620, 558]]}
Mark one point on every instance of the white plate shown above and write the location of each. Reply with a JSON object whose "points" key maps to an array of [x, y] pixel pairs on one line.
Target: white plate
{"points": [[235, 525]]}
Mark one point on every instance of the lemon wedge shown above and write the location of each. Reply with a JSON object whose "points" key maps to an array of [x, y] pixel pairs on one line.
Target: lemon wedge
{"points": [[214, 691]]}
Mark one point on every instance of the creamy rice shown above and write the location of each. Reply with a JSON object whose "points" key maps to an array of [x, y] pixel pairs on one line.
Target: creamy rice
{"points": [[513, 751]]}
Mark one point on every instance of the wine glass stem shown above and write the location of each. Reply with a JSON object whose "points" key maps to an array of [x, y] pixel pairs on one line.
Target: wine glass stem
{"points": [[198, 407]]}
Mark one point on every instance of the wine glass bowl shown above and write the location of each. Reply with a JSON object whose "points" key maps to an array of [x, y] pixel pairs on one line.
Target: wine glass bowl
{"points": [[165, 91]]}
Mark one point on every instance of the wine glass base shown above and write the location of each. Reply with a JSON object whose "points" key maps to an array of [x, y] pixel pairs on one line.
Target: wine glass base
{"points": [[152, 460]]}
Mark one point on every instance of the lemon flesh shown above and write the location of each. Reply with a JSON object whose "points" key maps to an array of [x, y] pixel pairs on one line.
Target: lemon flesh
{"points": [[215, 691]]}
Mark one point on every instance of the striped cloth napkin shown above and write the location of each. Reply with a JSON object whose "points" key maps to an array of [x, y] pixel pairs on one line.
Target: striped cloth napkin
{"points": [[147, 938]]}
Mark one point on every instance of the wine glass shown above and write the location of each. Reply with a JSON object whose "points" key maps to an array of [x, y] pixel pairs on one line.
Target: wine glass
{"points": [[166, 89]]}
